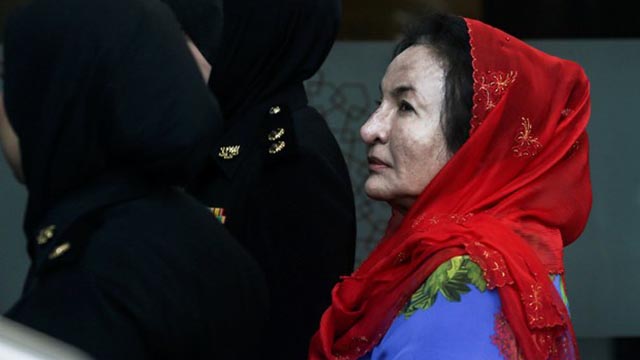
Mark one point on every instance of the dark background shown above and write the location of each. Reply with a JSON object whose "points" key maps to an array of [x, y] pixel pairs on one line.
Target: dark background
{"points": [[383, 19]]}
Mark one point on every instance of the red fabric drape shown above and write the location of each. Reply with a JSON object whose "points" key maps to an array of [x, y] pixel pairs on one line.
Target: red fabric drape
{"points": [[511, 198]]}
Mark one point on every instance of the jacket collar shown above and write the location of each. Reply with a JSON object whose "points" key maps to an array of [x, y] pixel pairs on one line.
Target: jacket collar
{"points": [[253, 128], [110, 189]]}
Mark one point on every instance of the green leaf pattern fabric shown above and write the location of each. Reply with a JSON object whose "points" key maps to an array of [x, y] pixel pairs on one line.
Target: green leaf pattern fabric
{"points": [[450, 280]]}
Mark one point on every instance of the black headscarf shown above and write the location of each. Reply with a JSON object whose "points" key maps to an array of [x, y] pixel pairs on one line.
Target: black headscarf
{"points": [[96, 87], [202, 21], [268, 46]]}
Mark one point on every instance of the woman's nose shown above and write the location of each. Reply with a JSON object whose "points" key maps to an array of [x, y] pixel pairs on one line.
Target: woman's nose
{"points": [[376, 128]]}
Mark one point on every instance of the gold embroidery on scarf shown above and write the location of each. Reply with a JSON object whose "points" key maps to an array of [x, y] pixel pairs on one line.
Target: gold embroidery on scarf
{"points": [[437, 219], [527, 145], [494, 85], [575, 148], [497, 268], [360, 342], [402, 258], [419, 221], [535, 303]]}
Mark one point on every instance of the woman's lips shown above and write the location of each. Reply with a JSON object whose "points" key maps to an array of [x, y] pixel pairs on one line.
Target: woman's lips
{"points": [[375, 164]]}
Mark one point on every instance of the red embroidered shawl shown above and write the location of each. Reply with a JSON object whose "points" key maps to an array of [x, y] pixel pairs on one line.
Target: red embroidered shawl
{"points": [[511, 198]]}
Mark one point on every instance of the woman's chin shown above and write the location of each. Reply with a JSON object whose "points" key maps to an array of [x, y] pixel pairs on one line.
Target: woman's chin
{"points": [[374, 191]]}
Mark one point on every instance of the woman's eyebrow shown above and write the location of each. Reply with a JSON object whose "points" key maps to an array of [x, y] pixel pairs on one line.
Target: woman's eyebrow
{"points": [[401, 90], [398, 91]]}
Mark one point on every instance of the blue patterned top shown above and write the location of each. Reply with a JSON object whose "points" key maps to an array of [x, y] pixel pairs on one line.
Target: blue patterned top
{"points": [[435, 324]]}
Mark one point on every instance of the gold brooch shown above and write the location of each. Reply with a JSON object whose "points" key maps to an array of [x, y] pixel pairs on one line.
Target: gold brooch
{"points": [[276, 134], [46, 234], [229, 152], [59, 251], [275, 110], [277, 147]]}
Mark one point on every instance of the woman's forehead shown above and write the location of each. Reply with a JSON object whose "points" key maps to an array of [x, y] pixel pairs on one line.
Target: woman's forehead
{"points": [[413, 68]]}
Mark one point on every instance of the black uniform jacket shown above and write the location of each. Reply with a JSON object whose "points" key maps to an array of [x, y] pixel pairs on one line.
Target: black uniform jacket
{"points": [[277, 178], [113, 118], [279, 183], [142, 273]]}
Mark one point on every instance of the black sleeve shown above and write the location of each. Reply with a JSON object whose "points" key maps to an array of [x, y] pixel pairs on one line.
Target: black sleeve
{"points": [[311, 224], [70, 305]]}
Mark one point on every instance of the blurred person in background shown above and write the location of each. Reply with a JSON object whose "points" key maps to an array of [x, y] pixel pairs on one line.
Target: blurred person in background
{"points": [[107, 117], [277, 178]]}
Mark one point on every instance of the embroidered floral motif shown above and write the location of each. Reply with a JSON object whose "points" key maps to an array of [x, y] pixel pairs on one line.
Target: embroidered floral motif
{"points": [[402, 258], [575, 147], [504, 339], [498, 269], [545, 341], [527, 145], [418, 220], [489, 89], [558, 346], [359, 342], [492, 264], [534, 304], [444, 218], [494, 84], [563, 348], [451, 280], [566, 112]]}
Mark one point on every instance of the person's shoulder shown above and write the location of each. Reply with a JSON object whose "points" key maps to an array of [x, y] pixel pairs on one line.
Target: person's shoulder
{"points": [[164, 246], [161, 213], [451, 281], [313, 134], [303, 156], [167, 225]]}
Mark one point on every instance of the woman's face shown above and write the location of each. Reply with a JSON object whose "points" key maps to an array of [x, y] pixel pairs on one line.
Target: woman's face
{"points": [[406, 144], [10, 143]]}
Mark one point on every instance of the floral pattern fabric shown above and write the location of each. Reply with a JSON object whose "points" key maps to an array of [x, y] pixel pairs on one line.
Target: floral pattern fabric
{"points": [[452, 316]]}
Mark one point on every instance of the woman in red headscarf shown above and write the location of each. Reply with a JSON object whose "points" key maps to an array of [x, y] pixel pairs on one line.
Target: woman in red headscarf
{"points": [[479, 146]]}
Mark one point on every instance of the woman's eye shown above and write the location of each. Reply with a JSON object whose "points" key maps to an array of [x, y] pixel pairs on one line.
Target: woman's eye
{"points": [[406, 107]]}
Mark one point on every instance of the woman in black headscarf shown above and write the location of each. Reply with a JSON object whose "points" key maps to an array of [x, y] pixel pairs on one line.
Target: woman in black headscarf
{"points": [[277, 179], [111, 116], [201, 21]]}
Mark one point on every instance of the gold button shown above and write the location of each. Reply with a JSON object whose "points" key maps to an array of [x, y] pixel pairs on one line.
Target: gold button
{"points": [[276, 134], [59, 251], [277, 147], [275, 110], [46, 234], [229, 152]]}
